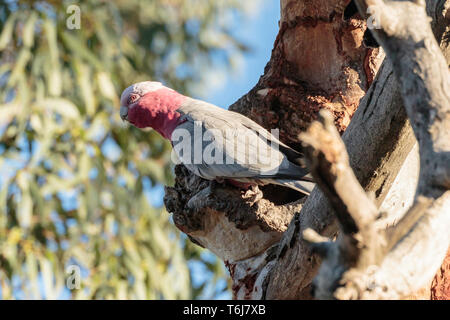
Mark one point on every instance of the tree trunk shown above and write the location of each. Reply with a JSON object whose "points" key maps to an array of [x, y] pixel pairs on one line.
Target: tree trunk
{"points": [[319, 61]]}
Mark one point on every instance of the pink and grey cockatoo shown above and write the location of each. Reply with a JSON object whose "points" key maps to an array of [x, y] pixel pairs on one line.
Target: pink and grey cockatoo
{"points": [[222, 145]]}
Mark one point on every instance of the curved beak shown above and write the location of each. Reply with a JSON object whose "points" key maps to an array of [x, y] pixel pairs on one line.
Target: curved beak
{"points": [[124, 113]]}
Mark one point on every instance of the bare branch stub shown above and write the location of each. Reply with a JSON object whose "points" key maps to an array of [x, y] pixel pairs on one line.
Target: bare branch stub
{"points": [[221, 217]]}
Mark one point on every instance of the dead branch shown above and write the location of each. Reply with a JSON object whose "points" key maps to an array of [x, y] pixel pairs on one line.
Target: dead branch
{"points": [[328, 160], [359, 264]]}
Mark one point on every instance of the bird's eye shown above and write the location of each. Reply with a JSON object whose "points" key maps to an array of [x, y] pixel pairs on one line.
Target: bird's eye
{"points": [[133, 98]]}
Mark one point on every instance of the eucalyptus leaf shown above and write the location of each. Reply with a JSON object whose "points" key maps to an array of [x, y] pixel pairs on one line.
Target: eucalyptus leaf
{"points": [[7, 31]]}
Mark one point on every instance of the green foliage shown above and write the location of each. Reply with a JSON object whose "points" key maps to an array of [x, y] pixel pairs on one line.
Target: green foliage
{"points": [[73, 188]]}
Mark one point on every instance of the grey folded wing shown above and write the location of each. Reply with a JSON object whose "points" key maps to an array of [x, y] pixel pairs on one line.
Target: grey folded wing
{"points": [[213, 142]]}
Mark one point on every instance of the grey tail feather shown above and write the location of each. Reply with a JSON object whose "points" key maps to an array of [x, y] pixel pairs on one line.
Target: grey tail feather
{"points": [[302, 186]]}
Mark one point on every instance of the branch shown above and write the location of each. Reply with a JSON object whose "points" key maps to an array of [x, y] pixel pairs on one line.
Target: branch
{"points": [[221, 218], [411, 264], [248, 230], [354, 265], [368, 262], [378, 141]]}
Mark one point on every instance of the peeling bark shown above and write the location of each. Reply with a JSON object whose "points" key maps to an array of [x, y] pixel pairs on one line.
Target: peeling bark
{"points": [[440, 287], [293, 89]]}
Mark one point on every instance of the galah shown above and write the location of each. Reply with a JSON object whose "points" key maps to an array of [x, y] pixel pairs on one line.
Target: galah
{"points": [[242, 152]]}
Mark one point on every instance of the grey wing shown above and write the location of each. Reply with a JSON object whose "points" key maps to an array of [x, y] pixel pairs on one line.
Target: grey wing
{"points": [[197, 109], [232, 146]]}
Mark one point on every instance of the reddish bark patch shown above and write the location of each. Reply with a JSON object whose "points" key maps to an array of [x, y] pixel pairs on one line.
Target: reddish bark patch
{"points": [[249, 283], [440, 287], [230, 267], [235, 289]]}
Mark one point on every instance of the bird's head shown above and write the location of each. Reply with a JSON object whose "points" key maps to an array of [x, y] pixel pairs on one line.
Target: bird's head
{"points": [[150, 104]]}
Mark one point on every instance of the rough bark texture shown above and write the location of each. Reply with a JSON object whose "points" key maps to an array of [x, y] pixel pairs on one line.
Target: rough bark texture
{"points": [[318, 62]]}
